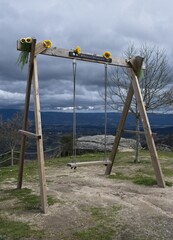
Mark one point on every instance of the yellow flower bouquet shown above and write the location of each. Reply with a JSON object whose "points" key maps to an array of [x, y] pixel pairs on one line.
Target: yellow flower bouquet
{"points": [[47, 43], [77, 50], [107, 55]]}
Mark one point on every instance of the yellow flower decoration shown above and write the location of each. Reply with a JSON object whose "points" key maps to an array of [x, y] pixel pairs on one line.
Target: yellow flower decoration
{"points": [[107, 55], [28, 40], [22, 40], [23, 56], [47, 43], [77, 50]]}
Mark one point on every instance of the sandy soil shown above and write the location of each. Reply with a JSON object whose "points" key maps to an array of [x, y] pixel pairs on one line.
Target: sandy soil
{"points": [[143, 212]]}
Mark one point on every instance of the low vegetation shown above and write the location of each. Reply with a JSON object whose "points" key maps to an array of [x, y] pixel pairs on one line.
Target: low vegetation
{"points": [[14, 201]]}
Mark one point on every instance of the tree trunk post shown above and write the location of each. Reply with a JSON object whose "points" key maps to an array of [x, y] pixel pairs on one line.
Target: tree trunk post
{"points": [[147, 130], [39, 139], [26, 112]]}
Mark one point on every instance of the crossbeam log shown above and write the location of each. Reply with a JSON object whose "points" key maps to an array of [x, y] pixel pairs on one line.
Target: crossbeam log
{"points": [[136, 132], [30, 134], [64, 53]]}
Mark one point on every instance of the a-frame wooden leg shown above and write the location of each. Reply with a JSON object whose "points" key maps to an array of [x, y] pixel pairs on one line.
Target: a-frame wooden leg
{"points": [[40, 153], [120, 129], [147, 130], [137, 63], [26, 111]]}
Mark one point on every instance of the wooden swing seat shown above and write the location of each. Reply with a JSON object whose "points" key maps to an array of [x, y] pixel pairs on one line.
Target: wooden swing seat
{"points": [[81, 164]]}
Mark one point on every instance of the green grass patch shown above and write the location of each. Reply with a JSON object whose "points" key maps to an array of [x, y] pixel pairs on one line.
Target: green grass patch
{"points": [[146, 170], [144, 180], [17, 230], [164, 154], [167, 171], [102, 224], [168, 183], [115, 209], [8, 173], [96, 233], [138, 179], [79, 158], [97, 213], [28, 199], [30, 171]]}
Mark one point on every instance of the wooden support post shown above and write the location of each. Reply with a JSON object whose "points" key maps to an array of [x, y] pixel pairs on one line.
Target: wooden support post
{"points": [[135, 69], [147, 130], [137, 62], [26, 111], [40, 153], [120, 129]]}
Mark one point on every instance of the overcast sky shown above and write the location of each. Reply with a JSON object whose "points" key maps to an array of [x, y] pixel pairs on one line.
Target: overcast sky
{"points": [[94, 25]]}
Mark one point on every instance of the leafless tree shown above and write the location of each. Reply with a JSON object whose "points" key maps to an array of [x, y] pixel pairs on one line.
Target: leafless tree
{"points": [[9, 133], [156, 82]]}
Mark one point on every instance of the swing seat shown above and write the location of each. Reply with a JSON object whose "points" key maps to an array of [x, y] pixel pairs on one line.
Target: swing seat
{"points": [[81, 164]]}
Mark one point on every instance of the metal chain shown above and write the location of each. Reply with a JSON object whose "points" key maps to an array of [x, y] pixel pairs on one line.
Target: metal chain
{"points": [[74, 109], [105, 117]]}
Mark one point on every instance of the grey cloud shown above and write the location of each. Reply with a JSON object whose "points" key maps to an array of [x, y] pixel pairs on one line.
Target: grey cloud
{"points": [[95, 25]]}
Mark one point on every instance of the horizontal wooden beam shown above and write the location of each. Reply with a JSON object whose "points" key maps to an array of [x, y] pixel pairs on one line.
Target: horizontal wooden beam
{"points": [[136, 132], [39, 48], [87, 57], [81, 164], [133, 131], [29, 134]]}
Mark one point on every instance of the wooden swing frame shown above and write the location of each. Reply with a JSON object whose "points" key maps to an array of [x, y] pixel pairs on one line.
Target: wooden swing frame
{"points": [[134, 65]]}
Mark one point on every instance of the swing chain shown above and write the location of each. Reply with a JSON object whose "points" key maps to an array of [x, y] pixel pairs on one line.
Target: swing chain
{"points": [[105, 117], [74, 109]]}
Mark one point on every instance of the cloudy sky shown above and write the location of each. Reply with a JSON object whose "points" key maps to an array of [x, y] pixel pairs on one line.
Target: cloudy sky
{"points": [[94, 25]]}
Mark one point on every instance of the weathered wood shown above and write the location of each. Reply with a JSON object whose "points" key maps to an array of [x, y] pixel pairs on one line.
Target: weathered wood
{"points": [[134, 61], [136, 66], [147, 130], [26, 111], [29, 134], [138, 132], [64, 53], [81, 164], [120, 129], [40, 153], [39, 48]]}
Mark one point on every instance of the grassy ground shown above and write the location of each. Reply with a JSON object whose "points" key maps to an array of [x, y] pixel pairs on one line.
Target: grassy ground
{"points": [[26, 200]]}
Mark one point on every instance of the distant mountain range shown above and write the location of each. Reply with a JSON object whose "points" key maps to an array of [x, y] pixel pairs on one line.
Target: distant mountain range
{"points": [[160, 123]]}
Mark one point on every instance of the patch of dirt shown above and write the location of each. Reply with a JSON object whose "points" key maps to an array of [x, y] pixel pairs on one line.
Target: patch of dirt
{"points": [[144, 212]]}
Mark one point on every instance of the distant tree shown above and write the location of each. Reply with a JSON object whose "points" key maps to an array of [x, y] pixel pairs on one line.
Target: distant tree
{"points": [[9, 133], [2, 133], [155, 82]]}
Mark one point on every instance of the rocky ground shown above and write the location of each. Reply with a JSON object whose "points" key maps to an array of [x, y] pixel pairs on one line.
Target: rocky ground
{"points": [[87, 201], [100, 143]]}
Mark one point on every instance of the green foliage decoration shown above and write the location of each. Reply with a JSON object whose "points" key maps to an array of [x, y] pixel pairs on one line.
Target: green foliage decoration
{"points": [[24, 55]]}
